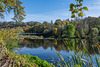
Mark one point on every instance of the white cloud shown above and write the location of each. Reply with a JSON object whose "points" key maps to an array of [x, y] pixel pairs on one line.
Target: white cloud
{"points": [[54, 15], [94, 10], [96, 2], [59, 14], [94, 7]]}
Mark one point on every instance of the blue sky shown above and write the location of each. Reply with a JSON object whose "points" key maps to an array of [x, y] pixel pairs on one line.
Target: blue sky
{"points": [[47, 10]]}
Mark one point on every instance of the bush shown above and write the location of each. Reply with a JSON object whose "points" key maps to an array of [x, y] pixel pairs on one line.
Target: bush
{"points": [[94, 32], [38, 61], [45, 31], [70, 30]]}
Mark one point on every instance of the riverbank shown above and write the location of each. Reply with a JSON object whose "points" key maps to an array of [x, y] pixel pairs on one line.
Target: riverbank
{"points": [[11, 59], [16, 60]]}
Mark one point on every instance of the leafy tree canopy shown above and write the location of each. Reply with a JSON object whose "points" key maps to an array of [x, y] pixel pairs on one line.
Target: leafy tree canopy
{"points": [[77, 9], [15, 5]]}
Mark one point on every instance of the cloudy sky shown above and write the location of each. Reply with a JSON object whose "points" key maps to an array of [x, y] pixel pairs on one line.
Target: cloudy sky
{"points": [[47, 10]]}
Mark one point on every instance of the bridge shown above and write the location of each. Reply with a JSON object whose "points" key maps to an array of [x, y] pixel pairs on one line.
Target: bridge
{"points": [[38, 34]]}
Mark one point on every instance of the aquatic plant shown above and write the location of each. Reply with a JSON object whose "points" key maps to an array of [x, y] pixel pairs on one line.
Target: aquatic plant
{"points": [[79, 59]]}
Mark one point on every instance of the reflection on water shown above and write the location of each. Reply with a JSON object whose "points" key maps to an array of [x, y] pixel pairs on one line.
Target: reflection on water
{"points": [[57, 44], [44, 48], [92, 45]]}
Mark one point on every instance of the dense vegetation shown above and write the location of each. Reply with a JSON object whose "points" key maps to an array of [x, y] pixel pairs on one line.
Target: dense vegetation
{"points": [[12, 5], [8, 58], [12, 59], [88, 27], [59, 28]]}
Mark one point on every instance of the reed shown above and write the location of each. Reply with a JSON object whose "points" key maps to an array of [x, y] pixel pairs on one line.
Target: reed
{"points": [[79, 59]]}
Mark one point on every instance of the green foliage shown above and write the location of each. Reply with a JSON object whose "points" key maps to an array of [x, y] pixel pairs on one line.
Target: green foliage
{"points": [[11, 44], [77, 66], [82, 27], [79, 58], [70, 30], [80, 14], [17, 60], [46, 31], [73, 16], [6, 34], [39, 62], [14, 5], [83, 34], [77, 9], [55, 31], [70, 43], [94, 32], [85, 8], [99, 29]]}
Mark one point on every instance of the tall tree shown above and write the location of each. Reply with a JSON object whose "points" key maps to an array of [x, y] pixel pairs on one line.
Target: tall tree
{"points": [[15, 5]]}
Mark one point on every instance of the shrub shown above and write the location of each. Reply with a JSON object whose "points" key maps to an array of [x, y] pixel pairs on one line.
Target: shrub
{"points": [[94, 32], [70, 30], [38, 61]]}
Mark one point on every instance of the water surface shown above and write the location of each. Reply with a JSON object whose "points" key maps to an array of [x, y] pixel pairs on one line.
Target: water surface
{"points": [[46, 48]]}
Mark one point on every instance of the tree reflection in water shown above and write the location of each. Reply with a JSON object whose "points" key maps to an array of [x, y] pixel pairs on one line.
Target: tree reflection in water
{"points": [[92, 45]]}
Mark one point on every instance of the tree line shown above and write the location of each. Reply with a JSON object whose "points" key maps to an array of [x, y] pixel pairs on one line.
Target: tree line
{"points": [[59, 28], [82, 27]]}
